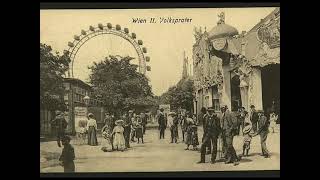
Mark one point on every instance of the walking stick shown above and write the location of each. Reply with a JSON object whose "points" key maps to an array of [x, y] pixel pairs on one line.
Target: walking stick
{"points": [[219, 148]]}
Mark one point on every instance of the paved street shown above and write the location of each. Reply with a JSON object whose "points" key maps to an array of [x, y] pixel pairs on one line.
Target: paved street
{"points": [[158, 155]]}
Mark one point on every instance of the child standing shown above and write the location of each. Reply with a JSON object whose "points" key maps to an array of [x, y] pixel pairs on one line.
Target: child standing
{"points": [[118, 141], [106, 143], [139, 129], [273, 120], [247, 136], [67, 155]]}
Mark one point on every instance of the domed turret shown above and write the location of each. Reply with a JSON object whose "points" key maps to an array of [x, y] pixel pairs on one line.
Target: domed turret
{"points": [[222, 29]]}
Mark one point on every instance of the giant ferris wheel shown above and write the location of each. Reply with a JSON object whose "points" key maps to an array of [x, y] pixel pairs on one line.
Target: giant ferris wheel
{"points": [[86, 35]]}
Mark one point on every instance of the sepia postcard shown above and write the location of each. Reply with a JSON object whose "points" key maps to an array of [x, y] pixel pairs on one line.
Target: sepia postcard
{"points": [[159, 90]]}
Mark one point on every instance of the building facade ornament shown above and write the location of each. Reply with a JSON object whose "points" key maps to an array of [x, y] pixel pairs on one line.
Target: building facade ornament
{"points": [[269, 32], [266, 56]]}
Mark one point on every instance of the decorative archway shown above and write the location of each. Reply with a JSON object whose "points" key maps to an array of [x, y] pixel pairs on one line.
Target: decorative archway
{"points": [[101, 29]]}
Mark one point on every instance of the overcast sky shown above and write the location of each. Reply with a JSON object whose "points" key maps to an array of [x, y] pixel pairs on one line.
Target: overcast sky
{"points": [[165, 42]]}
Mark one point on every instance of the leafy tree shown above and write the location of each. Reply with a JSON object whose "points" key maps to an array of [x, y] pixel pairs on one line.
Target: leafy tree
{"points": [[52, 69], [119, 86], [179, 96]]}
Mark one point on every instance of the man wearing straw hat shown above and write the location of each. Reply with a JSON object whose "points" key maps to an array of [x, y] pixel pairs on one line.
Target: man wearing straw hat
{"points": [[59, 125], [263, 124], [212, 132]]}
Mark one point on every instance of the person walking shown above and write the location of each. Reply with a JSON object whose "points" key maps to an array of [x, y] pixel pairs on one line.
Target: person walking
{"points": [[59, 125], [162, 121], [240, 118], [134, 123], [67, 156], [203, 116], [253, 118], [229, 128], [171, 126], [139, 129], [92, 131], [127, 128], [144, 119], [263, 132], [183, 123], [212, 132]]}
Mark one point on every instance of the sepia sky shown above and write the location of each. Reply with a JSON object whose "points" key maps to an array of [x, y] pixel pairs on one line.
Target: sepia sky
{"points": [[165, 43]]}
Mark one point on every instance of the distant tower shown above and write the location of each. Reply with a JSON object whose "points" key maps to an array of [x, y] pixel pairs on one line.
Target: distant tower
{"points": [[185, 66]]}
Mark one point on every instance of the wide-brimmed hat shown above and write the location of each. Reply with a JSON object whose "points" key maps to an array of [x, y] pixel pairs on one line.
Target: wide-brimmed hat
{"points": [[247, 129], [172, 113], [130, 111], [210, 109], [58, 112], [90, 115], [119, 122], [190, 120]]}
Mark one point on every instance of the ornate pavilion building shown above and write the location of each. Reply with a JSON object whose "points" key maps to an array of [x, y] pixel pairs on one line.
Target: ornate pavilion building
{"points": [[238, 69]]}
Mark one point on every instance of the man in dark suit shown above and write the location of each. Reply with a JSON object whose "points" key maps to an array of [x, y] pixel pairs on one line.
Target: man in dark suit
{"points": [[59, 125], [203, 116], [127, 129], [144, 121], [254, 118], [211, 134], [263, 131], [162, 121], [229, 127]]}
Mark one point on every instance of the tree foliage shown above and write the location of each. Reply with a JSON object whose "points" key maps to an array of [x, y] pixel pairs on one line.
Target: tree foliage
{"points": [[119, 86], [180, 96], [52, 68]]}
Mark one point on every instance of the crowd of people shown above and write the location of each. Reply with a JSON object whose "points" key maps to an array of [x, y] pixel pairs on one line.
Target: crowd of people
{"points": [[117, 134], [219, 131], [217, 140]]}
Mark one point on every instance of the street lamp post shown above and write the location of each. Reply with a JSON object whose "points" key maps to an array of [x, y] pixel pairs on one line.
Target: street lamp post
{"points": [[87, 101]]}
